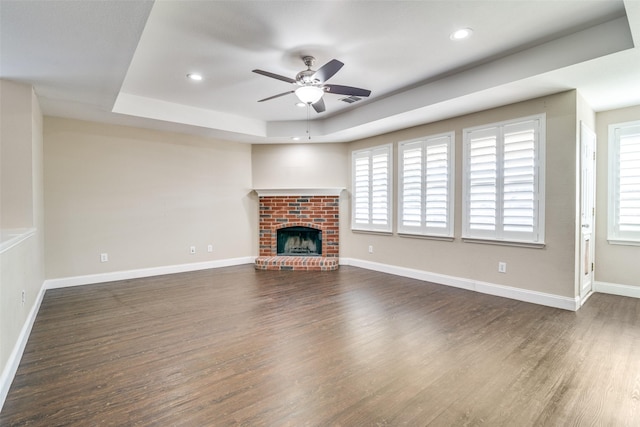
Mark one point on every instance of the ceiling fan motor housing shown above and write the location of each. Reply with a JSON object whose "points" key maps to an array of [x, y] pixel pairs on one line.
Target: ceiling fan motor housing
{"points": [[305, 78]]}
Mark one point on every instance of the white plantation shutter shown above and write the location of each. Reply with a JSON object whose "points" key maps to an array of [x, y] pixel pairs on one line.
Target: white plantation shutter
{"points": [[624, 183], [439, 176], [411, 187], [361, 194], [380, 177], [482, 183], [503, 192], [519, 181], [371, 209], [426, 186]]}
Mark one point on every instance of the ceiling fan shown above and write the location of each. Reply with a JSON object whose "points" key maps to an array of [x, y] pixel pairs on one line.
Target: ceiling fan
{"points": [[311, 84]]}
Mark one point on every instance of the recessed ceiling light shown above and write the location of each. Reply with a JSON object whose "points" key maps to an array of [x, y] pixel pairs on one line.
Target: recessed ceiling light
{"points": [[295, 138], [195, 76], [461, 34], [300, 104]]}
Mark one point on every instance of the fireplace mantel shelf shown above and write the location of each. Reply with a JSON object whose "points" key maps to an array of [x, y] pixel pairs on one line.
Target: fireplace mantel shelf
{"points": [[271, 192]]}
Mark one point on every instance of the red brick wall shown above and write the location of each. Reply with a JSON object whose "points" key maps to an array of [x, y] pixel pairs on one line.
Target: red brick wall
{"points": [[319, 212]]}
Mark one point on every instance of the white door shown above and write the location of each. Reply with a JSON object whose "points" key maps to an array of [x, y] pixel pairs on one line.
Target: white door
{"points": [[587, 214]]}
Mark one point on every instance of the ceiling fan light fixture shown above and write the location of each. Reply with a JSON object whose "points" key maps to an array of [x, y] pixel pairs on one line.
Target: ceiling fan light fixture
{"points": [[461, 34], [309, 94]]}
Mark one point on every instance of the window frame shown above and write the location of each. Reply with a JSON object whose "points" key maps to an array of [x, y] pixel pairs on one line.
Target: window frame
{"points": [[423, 229], [370, 153], [614, 235], [536, 238]]}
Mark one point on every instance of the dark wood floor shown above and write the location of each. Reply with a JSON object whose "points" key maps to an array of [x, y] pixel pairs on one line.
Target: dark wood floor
{"points": [[235, 346]]}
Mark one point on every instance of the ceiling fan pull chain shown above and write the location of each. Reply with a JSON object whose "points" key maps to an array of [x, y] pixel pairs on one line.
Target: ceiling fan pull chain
{"points": [[308, 125]]}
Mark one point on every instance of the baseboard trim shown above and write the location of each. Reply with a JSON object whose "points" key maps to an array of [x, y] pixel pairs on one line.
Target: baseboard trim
{"points": [[541, 298], [91, 279], [616, 289], [11, 367]]}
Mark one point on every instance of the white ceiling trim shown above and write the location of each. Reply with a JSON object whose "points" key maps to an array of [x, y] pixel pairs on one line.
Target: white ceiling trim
{"points": [[158, 109]]}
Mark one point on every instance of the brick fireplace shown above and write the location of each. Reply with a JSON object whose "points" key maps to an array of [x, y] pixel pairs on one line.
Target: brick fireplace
{"points": [[301, 209]]}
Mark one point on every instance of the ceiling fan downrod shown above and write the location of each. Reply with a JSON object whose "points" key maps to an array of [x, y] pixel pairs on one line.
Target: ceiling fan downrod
{"points": [[308, 124]]}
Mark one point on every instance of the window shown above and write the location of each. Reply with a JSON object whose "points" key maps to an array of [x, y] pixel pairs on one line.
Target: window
{"points": [[503, 181], [425, 199], [624, 183], [371, 203]]}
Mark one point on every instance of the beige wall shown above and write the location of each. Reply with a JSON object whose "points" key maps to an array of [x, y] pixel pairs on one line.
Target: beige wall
{"points": [[550, 270], [144, 197], [16, 181], [299, 166], [616, 264], [22, 265]]}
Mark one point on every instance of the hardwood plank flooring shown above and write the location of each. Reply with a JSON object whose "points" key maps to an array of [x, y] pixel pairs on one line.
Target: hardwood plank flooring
{"points": [[236, 346]]}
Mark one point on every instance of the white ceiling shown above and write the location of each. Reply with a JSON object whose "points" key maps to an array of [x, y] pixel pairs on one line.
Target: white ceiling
{"points": [[126, 61]]}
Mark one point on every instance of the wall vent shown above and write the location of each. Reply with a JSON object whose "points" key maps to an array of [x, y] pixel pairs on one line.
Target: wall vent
{"points": [[350, 99]]}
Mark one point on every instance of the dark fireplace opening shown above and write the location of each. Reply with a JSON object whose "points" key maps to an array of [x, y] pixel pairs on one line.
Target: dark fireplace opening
{"points": [[299, 241]]}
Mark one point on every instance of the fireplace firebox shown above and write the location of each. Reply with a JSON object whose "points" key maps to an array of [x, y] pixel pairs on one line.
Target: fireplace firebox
{"points": [[299, 241]]}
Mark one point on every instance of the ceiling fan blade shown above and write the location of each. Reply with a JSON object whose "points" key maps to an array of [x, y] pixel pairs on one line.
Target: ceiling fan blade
{"points": [[319, 106], [274, 76], [327, 71], [277, 96], [347, 90]]}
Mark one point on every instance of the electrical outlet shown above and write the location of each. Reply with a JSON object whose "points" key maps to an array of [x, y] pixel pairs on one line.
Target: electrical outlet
{"points": [[104, 257], [502, 267], [192, 250], [24, 296], [210, 248], [370, 249]]}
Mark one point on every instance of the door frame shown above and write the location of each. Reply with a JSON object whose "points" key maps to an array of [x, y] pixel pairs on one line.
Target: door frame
{"points": [[587, 193]]}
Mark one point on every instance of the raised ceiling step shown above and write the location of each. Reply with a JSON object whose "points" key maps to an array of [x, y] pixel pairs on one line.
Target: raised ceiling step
{"points": [[297, 263]]}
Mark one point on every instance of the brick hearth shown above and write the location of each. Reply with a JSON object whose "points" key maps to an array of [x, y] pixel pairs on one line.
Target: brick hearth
{"points": [[317, 211], [308, 263]]}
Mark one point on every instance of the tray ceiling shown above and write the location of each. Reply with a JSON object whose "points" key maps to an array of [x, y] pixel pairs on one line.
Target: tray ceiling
{"points": [[126, 62]]}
